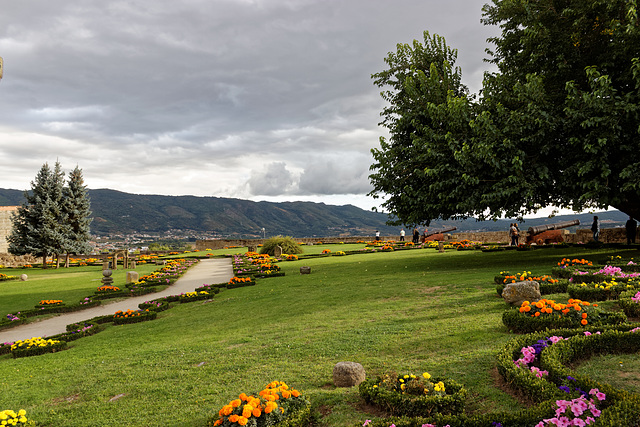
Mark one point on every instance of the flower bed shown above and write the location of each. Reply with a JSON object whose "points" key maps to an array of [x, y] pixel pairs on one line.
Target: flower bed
{"points": [[107, 289], [276, 405], [131, 316], [4, 277], [195, 296], [36, 346], [49, 303], [602, 291], [11, 418], [410, 395], [238, 282], [548, 284], [548, 314]]}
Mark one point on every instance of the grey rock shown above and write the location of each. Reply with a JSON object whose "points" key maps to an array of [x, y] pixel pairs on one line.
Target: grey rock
{"points": [[517, 293], [348, 374]]}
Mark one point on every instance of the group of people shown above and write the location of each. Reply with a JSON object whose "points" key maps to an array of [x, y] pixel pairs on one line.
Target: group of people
{"points": [[416, 235]]}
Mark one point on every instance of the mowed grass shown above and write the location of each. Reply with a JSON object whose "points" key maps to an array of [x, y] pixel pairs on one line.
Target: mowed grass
{"points": [[404, 311]]}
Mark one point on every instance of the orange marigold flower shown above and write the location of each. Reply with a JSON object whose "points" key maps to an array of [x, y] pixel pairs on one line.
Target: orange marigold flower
{"points": [[218, 422], [286, 394], [234, 418], [584, 315], [584, 321], [256, 412], [537, 314], [243, 421], [246, 412], [521, 309], [295, 393], [235, 403], [577, 307], [527, 309], [243, 396]]}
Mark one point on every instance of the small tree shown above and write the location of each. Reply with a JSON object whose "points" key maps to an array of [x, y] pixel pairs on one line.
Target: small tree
{"points": [[77, 211], [288, 245]]}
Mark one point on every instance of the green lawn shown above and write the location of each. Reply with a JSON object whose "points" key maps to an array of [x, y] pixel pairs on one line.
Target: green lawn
{"points": [[404, 311]]}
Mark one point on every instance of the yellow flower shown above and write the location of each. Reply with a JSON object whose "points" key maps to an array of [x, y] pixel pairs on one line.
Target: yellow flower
{"points": [[426, 375]]}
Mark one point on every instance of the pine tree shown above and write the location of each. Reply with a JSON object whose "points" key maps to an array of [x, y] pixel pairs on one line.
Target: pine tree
{"points": [[38, 224], [76, 207]]}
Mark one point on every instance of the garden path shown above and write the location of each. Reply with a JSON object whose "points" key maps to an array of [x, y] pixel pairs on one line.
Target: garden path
{"points": [[207, 271]]}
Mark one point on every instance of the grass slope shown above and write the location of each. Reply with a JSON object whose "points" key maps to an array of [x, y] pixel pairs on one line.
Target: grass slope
{"points": [[406, 311]]}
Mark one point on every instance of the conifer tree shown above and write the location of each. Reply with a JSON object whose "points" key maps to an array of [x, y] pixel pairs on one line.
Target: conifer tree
{"points": [[38, 224], [77, 211]]}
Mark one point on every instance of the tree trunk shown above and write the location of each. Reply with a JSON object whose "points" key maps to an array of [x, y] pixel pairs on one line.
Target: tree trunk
{"points": [[66, 261], [57, 261], [44, 260]]}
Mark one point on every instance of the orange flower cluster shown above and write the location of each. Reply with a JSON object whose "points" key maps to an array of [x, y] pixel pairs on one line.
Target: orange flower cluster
{"points": [[326, 251], [239, 411], [521, 277], [107, 288], [568, 262], [51, 302], [548, 306], [235, 280], [129, 313]]}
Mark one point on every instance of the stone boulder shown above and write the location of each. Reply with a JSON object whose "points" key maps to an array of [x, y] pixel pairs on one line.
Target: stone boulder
{"points": [[517, 293], [348, 374]]}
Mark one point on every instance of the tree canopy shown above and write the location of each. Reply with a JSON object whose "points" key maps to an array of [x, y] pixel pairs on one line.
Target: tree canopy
{"points": [[556, 125], [54, 219]]}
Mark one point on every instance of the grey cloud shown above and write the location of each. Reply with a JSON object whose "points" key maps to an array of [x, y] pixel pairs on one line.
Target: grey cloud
{"points": [[209, 91]]}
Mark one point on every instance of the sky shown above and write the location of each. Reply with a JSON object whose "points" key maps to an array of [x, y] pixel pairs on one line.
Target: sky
{"points": [[252, 99]]}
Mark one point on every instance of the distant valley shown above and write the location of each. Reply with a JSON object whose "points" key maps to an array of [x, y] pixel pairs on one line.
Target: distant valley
{"points": [[116, 212]]}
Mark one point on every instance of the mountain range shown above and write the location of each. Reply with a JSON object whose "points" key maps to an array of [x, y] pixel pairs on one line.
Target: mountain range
{"points": [[116, 212]]}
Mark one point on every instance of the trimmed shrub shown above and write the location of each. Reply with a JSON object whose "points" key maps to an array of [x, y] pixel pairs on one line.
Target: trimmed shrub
{"points": [[288, 245]]}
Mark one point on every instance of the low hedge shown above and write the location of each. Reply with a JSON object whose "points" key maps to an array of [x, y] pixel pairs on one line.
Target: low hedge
{"points": [[397, 403], [630, 307]]}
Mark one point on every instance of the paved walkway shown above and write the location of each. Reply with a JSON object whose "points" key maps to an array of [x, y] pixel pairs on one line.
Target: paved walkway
{"points": [[207, 271]]}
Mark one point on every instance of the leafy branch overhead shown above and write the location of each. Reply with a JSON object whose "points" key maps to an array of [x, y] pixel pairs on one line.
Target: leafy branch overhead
{"points": [[555, 125]]}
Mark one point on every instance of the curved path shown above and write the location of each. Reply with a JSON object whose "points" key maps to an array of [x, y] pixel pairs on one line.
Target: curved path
{"points": [[207, 271]]}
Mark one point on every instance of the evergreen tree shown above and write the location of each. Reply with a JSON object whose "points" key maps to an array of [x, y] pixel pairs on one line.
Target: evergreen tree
{"points": [[77, 211], [38, 224]]}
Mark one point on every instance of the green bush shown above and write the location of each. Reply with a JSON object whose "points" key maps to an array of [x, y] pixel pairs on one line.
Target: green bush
{"points": [[288, 245], [630, 307]]}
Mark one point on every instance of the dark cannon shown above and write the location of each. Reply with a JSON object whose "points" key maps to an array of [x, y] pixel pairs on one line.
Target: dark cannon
{"points": [[549, 233], [436, 235]]}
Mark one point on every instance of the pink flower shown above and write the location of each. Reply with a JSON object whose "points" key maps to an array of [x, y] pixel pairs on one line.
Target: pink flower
{"points": [[366, 423]]}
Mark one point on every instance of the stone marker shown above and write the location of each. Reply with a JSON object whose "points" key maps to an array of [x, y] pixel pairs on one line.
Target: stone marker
{"points": [[517, 293], [252, 248], [348, 374], [440, 246], [277, 251], [305, 270], [107, 280], [132, 276], [24, 277]]}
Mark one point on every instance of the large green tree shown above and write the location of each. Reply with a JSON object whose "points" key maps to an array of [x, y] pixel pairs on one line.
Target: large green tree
{"points": [[556, 125], [38, 224]]}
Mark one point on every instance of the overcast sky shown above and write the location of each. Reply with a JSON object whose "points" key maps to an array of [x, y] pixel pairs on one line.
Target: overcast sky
{"points": [[253, 99]]}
